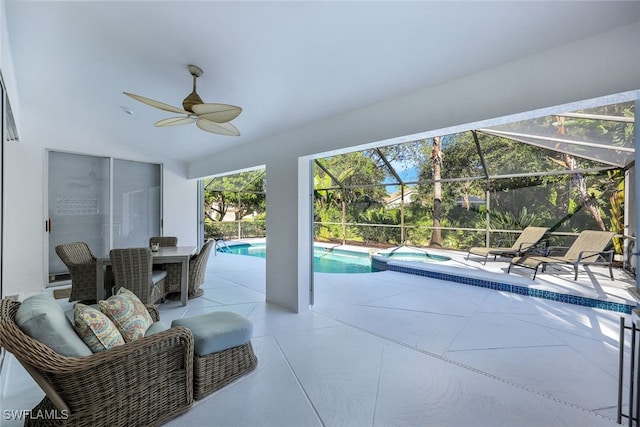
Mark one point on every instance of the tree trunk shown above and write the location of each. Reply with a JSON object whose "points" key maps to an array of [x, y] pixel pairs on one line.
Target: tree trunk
{"points": [[585, 198], [436, 165], [578, 180], [344, 221]]}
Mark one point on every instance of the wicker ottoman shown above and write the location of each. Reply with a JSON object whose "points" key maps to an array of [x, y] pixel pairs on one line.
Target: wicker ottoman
{"points": [[222, 349]]}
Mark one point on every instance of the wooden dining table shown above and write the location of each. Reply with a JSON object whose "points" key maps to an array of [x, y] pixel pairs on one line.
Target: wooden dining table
{"points": [[164, 255]]}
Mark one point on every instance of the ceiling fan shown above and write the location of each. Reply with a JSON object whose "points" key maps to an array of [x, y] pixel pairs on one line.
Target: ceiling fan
{"points": [[209, 117]]}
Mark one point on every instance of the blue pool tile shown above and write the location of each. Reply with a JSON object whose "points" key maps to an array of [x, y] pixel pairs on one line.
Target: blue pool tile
{"points": [[506, 287]]}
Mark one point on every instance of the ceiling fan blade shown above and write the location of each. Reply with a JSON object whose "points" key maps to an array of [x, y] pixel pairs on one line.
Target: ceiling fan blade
{"points": [[219, 113], [160, 105], [175, 121], [219, 128]]}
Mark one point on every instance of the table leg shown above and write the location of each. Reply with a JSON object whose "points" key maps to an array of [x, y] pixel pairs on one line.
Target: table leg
{"points": [[184, 281], [99, 280]]}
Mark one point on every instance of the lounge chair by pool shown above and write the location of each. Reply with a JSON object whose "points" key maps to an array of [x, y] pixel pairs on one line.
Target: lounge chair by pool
{"points": [[527, 240], [588, 249]]}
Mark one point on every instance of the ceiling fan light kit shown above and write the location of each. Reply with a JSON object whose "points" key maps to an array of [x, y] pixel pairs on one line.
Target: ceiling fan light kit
{"points": [[209, 117]]}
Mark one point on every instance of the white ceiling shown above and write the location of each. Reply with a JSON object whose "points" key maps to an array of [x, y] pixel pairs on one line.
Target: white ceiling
{"points": [[286, 63]]}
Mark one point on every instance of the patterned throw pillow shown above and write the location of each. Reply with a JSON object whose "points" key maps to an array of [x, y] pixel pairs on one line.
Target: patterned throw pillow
{"points": [[95, 329], [128, 313]]}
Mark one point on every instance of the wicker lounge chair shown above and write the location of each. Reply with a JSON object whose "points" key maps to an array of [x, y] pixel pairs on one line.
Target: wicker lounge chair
{"points": [[142, 383], [197, 268], [588, 249], [133, 269], [82, 268], [528, 239]]}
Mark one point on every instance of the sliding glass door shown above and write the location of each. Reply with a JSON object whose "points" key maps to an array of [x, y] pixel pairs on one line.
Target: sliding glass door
{"points": [[136, 203], [79, 207], [106, 203]]}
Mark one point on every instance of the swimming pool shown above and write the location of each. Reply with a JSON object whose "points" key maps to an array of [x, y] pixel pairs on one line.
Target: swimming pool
{"points": [[324, 260], [335, 260]]}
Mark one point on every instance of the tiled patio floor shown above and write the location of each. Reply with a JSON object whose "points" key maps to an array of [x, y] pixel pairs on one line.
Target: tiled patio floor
{"points": [[395, 349]]}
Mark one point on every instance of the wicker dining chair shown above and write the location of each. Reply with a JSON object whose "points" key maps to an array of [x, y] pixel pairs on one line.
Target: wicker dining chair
{"points": [[141, 383], [81, 264], [163, 241], [197, 268], [133, 269]]}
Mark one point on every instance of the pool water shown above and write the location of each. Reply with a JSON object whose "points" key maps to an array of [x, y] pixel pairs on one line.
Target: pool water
{"points": [[339, 261], [324, 261], [328, 260]]}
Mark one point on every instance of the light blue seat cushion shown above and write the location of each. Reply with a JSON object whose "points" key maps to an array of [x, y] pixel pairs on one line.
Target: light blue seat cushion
{"points": [[158, 275], [217, 331], [155, 328], [44, 320]]}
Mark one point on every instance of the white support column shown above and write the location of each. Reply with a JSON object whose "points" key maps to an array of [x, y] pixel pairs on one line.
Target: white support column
{"points": [[305, 232], [286, 239]]}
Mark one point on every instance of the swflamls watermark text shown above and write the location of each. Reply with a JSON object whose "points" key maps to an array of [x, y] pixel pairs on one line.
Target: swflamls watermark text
{"points": [[23, 414]]}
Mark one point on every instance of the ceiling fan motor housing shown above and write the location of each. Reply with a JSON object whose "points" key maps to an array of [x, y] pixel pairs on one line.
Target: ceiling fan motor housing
{"points": [[191, 100], [193, 97]]}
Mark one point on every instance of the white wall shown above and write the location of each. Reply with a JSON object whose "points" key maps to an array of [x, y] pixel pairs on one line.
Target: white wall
{"points": [[180, 204], [598, 66]]}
